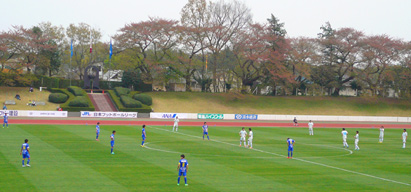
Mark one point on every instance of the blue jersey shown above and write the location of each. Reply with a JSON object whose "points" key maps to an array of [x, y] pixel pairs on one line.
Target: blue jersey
{"points": [[6, 118], [112, 137], [98, 128], [290, 143], [24, 148], [205, 128], [143, 132], [182, 164]]}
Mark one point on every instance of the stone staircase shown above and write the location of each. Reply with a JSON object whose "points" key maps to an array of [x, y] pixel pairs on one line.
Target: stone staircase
{"points": [[102, 102]]}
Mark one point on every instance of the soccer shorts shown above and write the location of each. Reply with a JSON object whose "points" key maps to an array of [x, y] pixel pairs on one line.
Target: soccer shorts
{"points": [[182, 173], [242, 139], [205, 133], [144, 138], [404, 140], [290, 148], [112, 143], [250, 139], [6, 122], [356, 141], [26, 155], [344, 139], [175, 124], [97, 133]]}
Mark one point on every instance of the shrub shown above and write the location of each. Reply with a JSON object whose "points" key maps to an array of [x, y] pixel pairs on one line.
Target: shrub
{"points": [[143, 98], [79, 101], [77, 91], [121, 91], [58, 97], [130, 102], [120, 106]]}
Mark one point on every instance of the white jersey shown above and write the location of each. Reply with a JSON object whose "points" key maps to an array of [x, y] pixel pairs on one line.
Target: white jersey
{"points": [[344, 134], [357, 137], [250, 135], [176, 120], [243, 133], [381, 131], [404, 135], [310, 125]]}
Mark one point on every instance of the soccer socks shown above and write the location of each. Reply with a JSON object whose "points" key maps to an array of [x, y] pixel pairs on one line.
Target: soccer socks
{"points": [[142, 143], [203, 139], [208, 137], [111, 150], [403, 145], [245, 144], [96, 136], [22, 162], [185, 180], [291, 154], [28, 162], [288, 154], [178, 180]]}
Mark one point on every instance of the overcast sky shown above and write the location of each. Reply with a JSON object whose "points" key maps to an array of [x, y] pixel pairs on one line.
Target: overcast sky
{"points": [[301, 17]]}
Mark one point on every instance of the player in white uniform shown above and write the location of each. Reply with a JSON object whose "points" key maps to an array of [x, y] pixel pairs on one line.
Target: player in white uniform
{"points": [[404, 138], [243, 134], [250, 138], [381, 134], [310, 128], [176, 120], [357, 139], [344, 134]]}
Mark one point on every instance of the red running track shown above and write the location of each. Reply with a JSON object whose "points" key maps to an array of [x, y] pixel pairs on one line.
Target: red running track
{"points": [[221, 124]]}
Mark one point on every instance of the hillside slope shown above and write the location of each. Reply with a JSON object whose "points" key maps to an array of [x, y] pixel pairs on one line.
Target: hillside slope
{"points": [[249, 104], [8, 93]]}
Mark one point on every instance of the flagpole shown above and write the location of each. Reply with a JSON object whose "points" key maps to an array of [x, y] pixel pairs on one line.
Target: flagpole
{"points": [[71, 55]]}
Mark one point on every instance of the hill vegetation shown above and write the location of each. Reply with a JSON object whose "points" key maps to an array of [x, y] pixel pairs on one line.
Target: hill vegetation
{"points": [[250, 104]]}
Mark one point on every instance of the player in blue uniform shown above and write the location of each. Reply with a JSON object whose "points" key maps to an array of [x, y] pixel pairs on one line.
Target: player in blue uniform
{"points": [[112, 142], [182, 169], [25, 152], [290, 143], [205, 130], [143, 135], [6, 120], [97, 130]]}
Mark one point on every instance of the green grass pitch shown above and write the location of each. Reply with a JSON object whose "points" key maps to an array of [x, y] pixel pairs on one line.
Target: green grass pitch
{"points": [[68, 158]]}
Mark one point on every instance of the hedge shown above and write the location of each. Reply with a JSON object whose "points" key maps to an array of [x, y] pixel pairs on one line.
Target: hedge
{"points": [[121, 91], [79, 101], [120, 106], [129, 102], [58, 97], [143, 98], [77, 91], [65, 106]]}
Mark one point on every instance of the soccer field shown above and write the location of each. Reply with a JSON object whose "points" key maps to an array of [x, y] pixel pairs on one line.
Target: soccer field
{"points": [[68, 158]]}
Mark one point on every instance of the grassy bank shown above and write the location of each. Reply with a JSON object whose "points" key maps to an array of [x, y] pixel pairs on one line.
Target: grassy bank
{"points": [[249, 104], [8, 93]]}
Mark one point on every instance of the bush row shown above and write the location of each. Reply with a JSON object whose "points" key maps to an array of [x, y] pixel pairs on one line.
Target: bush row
{"points": [[65, 106], [79, 101], [58, 97], [129, 102], [120, 106], [143, 98], [121, 91], [77, 91]]}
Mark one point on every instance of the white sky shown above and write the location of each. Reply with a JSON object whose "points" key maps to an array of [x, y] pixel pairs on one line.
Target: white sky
{"points": [[301, 17]]}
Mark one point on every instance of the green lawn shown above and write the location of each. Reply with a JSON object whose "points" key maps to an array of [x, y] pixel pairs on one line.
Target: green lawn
{"points": [[68, 158], [184, 102]]}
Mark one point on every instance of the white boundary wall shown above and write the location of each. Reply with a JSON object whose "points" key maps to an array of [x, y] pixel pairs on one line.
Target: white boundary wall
{"points": [[24, 113], [172, 115], [335, 118]]}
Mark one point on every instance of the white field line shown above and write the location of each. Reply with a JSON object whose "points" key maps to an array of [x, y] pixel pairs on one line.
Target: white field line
{"points": [[298, 159]]}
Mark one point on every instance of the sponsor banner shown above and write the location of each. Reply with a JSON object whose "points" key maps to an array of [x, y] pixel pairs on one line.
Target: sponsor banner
{"points": [[47, 113], [168, 115], [246, 116], [210, 116], [108, 114], [11, 113]]}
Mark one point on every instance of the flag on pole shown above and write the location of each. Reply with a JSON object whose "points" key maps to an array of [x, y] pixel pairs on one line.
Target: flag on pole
{"points": [[71, 48], [206, 63], [91, 42], [111, 49]]}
